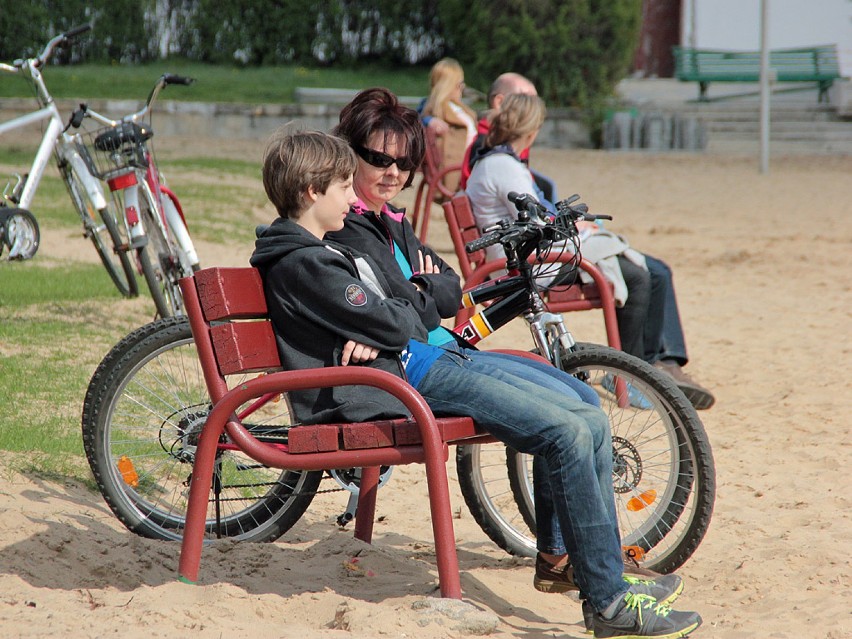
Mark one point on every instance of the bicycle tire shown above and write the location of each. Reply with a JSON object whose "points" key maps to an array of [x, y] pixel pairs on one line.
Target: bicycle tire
{"points": [[143, 408], [19, 233], [109, 244], [160, 260], [661, 534]]}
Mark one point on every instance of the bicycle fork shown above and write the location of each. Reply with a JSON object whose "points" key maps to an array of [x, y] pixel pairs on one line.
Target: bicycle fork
{"points": [[550, 335]]}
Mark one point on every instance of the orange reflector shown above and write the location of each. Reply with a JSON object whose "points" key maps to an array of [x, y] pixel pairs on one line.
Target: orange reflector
{"points": [[128, 472], [634, 552], [645, 499]]}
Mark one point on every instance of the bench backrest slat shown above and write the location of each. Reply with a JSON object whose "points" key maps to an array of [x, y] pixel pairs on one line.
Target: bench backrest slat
{"points": [[229, 298]]}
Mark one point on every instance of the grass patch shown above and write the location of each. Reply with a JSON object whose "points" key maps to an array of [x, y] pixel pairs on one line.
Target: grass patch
{"points": [[215, 83], [58, 319], [27, 283]]}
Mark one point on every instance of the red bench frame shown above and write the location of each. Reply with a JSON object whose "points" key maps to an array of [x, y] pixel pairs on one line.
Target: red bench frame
{"points": [[218, 302], [475, 270]]}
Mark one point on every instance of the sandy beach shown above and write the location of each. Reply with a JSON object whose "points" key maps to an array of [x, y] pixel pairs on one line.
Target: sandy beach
{"points": [[762, 267]]}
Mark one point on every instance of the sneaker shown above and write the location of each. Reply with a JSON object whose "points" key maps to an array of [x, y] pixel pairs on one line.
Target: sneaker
{"points": [[549, 578], [633, 568], [634, 396], [699, 397], [588, 616], [665, 588], [640, 615]]}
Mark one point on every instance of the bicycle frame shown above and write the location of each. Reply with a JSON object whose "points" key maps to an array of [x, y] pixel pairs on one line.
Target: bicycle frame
{"points": [[54, 140], [514, 297], [169, 214]]}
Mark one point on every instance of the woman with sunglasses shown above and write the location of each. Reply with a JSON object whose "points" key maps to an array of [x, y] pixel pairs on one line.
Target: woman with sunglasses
{"points": [[569, 439]]}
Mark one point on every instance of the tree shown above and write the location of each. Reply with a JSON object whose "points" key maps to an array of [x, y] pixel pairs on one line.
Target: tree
{"points": [[575, 51]]}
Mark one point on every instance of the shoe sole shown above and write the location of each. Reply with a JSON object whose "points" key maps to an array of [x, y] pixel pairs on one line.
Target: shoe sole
{"points": [[700, 400], [678, 634], [553, 587], [672, 597]]}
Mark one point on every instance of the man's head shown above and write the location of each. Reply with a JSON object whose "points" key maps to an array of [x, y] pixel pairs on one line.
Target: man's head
{"points": [[506, 84], [295, 162]]}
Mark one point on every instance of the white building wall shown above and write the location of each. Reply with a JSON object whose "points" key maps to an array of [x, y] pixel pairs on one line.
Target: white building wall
{"points": [[735, 24]]}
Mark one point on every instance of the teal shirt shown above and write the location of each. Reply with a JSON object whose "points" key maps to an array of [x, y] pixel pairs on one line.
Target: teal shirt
{"points": [[437, 336]]}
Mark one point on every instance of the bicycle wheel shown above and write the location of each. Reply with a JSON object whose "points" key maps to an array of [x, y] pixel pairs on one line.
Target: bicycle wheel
{"points": [[143, 410], [111, 246], [160, 260], [19, 233], [663, 472]]}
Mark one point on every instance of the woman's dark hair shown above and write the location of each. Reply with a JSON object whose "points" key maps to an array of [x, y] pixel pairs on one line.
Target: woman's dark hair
{"points": [[378, 109]]}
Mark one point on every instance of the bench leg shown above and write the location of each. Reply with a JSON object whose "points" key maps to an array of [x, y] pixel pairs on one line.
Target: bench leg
{"points": [[366, 512], [442, 524], [199, 496]]}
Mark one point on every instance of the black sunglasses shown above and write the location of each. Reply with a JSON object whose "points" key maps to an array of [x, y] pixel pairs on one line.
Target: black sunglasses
{"points": [[383, 160]]}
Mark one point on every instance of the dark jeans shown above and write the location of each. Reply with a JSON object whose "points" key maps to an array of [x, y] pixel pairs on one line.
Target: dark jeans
{"points": [[573, 438], [649, 322]]}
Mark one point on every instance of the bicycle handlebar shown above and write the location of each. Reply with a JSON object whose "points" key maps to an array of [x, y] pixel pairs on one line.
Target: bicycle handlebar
{"points": [[79, 30], [171, 78], [58, 41], [526, 228]]}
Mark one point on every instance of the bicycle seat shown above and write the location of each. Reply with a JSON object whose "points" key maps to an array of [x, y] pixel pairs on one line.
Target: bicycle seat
{"points": [[125, 132]]}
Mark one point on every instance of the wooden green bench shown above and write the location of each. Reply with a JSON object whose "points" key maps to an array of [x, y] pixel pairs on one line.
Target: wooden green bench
{"points": [[812, 64]]}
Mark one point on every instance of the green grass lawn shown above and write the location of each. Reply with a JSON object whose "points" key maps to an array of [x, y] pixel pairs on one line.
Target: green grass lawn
{"points": [[59, 318], [215, 83]]}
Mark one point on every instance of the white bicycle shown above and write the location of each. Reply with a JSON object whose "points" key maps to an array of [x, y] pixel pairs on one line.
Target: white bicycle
{"points": [[136, 224]]}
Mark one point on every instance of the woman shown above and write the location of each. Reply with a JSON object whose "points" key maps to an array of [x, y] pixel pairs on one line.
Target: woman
{"points": [[387, 138], [643, 286], [445, 103]]}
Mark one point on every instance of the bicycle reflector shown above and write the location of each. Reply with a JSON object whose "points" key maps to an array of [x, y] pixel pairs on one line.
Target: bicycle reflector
{"points": [[642, 501], [128, 471]]}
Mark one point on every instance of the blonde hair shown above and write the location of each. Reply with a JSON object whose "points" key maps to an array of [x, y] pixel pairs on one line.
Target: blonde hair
{"points": [[444, 79], [519, 115], [296, 161]]}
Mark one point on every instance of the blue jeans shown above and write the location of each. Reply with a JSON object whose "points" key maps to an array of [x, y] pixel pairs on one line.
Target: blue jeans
{"points": [[671, 342], [572, 437], [545, 375], [548, 533]]}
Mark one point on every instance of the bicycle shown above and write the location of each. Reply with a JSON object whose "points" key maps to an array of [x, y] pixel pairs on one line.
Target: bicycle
{"points": [[120, 155], [147, 399], [121, 240]]}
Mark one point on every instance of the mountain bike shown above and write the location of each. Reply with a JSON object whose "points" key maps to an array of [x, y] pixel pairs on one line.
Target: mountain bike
{"points": [[147, 400], [149, 237]]}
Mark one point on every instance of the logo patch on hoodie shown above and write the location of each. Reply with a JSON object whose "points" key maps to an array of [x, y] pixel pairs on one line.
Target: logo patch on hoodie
{"points": [[356, 295]]}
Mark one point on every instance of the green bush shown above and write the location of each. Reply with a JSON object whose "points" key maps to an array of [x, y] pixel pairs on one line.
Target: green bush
{"points": [[575, 51]]}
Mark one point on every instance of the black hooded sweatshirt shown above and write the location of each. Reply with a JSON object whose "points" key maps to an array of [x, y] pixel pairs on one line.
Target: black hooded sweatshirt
{"points": [[374, 235], [317, 302]]}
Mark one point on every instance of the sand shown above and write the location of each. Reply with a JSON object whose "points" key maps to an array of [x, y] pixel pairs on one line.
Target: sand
{"points": [[762, 266]]}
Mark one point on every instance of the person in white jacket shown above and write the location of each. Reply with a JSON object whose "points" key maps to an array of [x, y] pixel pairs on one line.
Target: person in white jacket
{"points": [[648, 318]]}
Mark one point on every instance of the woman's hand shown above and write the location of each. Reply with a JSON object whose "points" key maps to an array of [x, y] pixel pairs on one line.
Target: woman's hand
{"points": [[357, 353], [426, 265]]}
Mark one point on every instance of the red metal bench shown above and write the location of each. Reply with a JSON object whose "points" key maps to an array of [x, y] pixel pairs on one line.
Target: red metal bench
{"points": [[227, 311], [474, 268]]}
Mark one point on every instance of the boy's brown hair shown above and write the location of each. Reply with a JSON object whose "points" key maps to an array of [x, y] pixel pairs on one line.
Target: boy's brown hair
{"points": [[295, 161]]}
